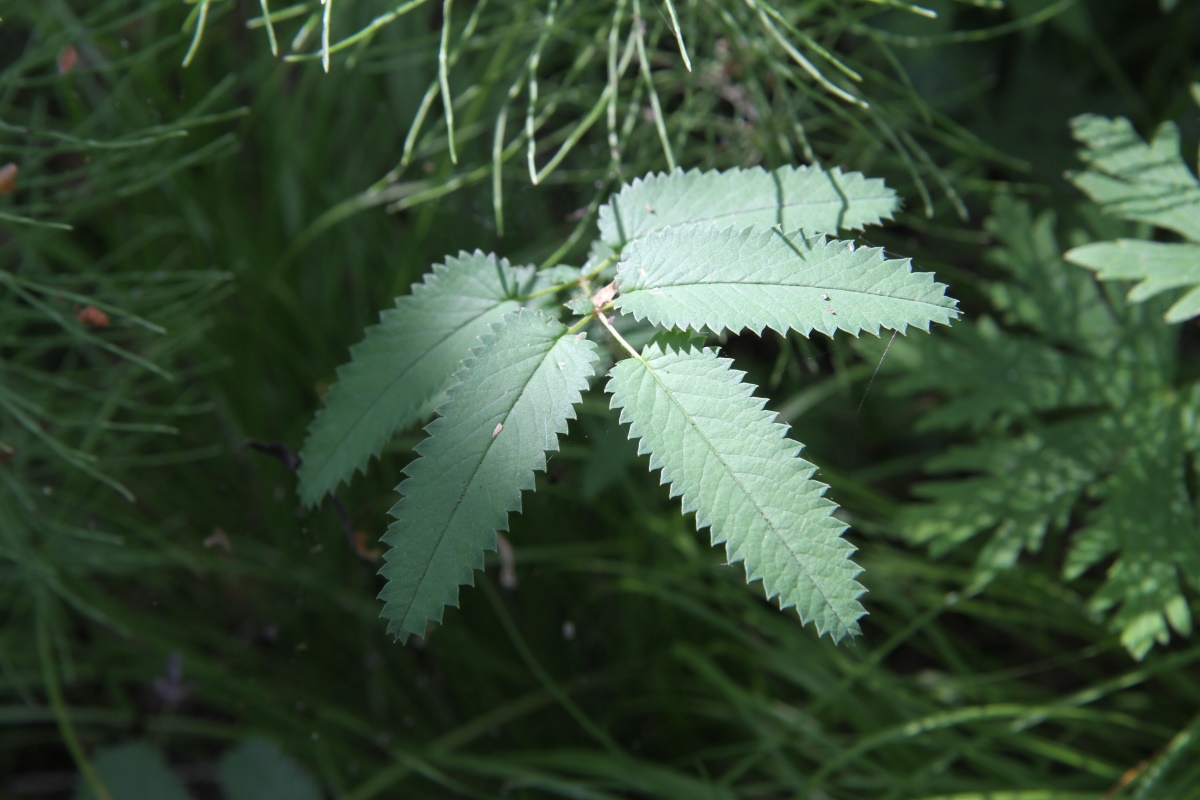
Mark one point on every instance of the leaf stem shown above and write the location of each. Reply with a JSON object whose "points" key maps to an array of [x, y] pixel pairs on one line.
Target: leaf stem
{"points": [[578, 326], [628, 347], [444, 79], [603, 265], [61, 714]]}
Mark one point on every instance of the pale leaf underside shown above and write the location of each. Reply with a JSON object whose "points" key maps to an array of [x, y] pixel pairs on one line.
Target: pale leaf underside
{"points": [[1130, 179], [808, 198], [404, 361], [734, 468], [701, 276], [1160, 266], [513, 399]]}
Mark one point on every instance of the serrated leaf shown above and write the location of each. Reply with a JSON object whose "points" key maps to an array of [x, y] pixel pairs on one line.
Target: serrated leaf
{"points": [[1140, 182], [1159, 266], [808, 198], [514, 397], [701, 276], [405, 360], [732, 465]]}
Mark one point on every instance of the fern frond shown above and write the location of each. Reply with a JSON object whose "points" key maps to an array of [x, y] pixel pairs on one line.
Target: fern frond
{"points": [[701, 276], [986, 375], [1018, 490], [514, 397], [1135, 181], [733, 466], [1066, 306], [1148, 525], [1086, 443], [807, 198], [404, 361]]}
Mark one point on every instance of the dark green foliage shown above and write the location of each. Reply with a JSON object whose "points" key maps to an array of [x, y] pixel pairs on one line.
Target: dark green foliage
{"points": [[1054, 428], [1082, 438]]}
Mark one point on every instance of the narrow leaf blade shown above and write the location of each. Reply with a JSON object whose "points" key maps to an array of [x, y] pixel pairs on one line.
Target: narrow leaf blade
{"points": [[513, 399], [702, 276], [403, 362], [808, 198], [733, 466]]}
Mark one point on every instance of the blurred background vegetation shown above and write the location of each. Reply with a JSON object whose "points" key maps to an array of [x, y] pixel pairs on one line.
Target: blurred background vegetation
{"points": [[186, 255]]}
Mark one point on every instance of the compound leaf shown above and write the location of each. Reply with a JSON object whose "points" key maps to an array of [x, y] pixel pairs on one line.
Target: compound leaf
{"points": [[701, 276], [1149, 525], [404, 361], [1139, 182], [1066, 306], [1090, 443], [732, 465], [808, 198], [985, 375], [514, 397], [1024, 488]]}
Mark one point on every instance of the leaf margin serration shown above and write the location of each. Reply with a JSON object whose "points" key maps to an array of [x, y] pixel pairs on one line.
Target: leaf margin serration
{"points": [[694, 183], [489, 434], [332, 436], [657, 270], [708, 510]]}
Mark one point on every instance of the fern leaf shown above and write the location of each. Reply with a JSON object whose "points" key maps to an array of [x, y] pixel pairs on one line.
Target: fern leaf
{"points": [[732, 465], [985, 375], [1021, 490], [701, 276], [514, 397], [808, 198], [1148, 523], [1160, 266], [1066, 306], [404, 361], [1139, 182], [1089, 441]]}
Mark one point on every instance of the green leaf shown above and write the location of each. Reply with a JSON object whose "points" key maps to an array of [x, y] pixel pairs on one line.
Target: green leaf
{"points": [[404, 361], [259, 770], [733, 466], [1022, 489], [701, 276], [807, 198], [1139, 182], [134, 771], [1065, 306], [514, 397], [1149, 525], [984, 375], [1090, 441], [1160, 267]]}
